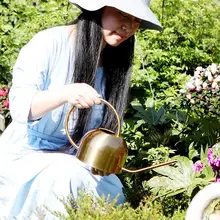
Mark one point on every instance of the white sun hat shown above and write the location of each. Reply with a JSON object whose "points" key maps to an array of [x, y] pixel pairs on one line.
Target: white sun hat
{"points": [[137, 8]]}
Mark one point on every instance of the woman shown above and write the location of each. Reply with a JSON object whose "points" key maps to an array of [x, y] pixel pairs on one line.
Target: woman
{"points": [[76, 64]]}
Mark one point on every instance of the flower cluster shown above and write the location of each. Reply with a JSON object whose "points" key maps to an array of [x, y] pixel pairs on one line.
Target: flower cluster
{"points": [[4, 103], [214, 160], [203, 89], [197, 166]]}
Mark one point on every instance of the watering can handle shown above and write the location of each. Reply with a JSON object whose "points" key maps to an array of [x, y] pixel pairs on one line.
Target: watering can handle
{"points": [[73, 107]]}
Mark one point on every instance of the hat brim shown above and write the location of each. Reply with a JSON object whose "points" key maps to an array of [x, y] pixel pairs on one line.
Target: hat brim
{"points": [[136, 8]]}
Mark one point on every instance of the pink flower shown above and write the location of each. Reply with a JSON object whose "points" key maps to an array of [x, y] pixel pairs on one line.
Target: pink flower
{"points": [[213, 160], [2, 92], [197, 166], [6, 103], [6, 92]]}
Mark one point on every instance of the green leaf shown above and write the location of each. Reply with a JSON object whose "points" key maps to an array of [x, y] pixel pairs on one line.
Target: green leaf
{"points": [[192, 151]]}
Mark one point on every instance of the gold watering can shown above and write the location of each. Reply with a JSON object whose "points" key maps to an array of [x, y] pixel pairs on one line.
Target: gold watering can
{"points": [[103, 149]]}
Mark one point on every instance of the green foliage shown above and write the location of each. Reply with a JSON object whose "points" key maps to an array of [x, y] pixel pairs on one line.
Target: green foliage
{"points": [[84, 208], [190, 38], [182, 178], [20, 20], [156, 134], [179, 179]]}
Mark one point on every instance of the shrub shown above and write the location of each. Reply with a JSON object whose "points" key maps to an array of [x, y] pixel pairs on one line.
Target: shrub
{"points": [[20, 20], [190, 38], [85, 207]]}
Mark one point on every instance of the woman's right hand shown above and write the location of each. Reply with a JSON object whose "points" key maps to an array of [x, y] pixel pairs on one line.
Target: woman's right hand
{"points": [[81, 95]]}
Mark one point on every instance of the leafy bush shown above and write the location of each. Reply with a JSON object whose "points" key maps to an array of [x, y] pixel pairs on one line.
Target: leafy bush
{"points": [[186, 178], [164, 61], [20, 20], [85, 207]]}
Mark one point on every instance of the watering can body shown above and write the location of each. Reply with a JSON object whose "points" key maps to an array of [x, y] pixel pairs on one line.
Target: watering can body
{"points": [[105, 150], [102, 150]]}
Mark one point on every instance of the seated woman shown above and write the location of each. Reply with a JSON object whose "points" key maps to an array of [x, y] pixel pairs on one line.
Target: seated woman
{"points": [[76, 64]]}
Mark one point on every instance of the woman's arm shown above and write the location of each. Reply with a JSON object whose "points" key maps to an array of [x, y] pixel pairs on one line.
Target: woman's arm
{"points": [[80, 95], [29, 97]]}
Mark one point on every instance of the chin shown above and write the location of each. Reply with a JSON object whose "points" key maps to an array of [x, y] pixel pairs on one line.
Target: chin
{"points": [[114, 44]]}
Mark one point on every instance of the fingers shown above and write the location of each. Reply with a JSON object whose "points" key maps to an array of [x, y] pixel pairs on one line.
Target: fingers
{"points": [[94, 171], [99, 172], [82, 95]]}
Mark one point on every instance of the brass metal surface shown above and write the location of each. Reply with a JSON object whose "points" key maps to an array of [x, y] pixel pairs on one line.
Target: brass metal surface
{"points": [[150, 167], [73, 107], [103, 149]]}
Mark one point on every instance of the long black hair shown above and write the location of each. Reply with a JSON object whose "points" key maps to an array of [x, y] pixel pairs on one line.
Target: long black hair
{"points": [[117, 62]]}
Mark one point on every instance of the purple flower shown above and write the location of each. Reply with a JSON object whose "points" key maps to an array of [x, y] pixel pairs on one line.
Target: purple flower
{"points": [[217, 178], [197, 166], [210, 156], [214, 160]]}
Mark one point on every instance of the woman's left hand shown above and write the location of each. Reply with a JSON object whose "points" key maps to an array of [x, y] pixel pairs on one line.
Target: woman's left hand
{"points": [[99, 172]]}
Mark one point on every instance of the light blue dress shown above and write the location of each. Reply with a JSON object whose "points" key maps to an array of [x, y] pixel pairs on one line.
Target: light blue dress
{"points": [[32, 174]]}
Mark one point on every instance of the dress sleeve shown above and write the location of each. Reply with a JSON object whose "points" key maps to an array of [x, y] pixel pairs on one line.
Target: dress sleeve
{"points": [[29, 76]]}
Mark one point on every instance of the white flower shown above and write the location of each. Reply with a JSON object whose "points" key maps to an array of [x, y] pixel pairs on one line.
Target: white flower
{"points": [[188, 96], [190, 86], [199, 68], [214, 85], [198, 88], [193, 101], [217, 79], [198, 82], [207, 72], [210, 77], [213, 68], [197, 74], [205, 85]]}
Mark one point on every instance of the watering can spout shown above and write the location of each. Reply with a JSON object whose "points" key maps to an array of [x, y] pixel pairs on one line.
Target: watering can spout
{"points": [[150, 167]]}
